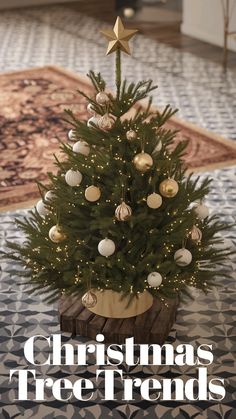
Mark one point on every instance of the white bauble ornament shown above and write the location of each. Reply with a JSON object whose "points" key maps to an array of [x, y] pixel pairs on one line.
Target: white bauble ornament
{"points": [[201, 211], [154, 279], [102, 98], [89, 299], [183, 257], [73, 177], [56, 234], [123, 212], [157, 148], [81, 147], [91, 121], [106, 122], [154, 200], [143, 162], [72, 135], [106, 247], [131, 135], [92, 193], [90, 109], [49, 195], [41, 208]]}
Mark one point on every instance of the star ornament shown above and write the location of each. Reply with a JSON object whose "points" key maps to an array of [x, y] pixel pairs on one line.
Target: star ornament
{"points": [[118, 37]]}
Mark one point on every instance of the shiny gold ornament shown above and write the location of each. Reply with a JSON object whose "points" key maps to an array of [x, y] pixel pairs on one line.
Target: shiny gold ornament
{"points": [[106, 122], [195, 234], [169, 188], [131, 135], [92, 193], [56, 234], [143, 162], [154, 200], [118, 37], [123, 212], [89, 299]]}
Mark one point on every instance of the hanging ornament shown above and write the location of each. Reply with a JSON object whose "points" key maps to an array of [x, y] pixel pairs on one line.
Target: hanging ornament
{"points": [[49, 195], [195, 234], [81, 147], [123, 212], [154, 200], [73, 177], [143, 162], [106, 122], [92, 121], [154, 279], [41, 208], [131, 135], [56, 234], [201, 211], [102, 98], [106, 247], [90, 109], [92, 193], [89, 299], [72, 135], [169, 188], [183, 257], [158, 147]]}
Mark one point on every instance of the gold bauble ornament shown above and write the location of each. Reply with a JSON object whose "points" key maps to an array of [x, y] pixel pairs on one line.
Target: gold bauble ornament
{"points": [[102, 98], [131, 135], [106, 122], [154, 200], [169, 188], [89, 299], [56, 234], [92, 193], [143, 162], [195, 234], [123, 212]]}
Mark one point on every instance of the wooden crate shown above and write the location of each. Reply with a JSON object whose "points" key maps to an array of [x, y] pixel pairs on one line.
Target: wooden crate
{"points": [[153, 326]]}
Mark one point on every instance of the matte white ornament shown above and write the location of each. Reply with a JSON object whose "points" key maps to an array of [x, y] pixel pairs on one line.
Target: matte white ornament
{"points": [[72, 135], [42, 210], [158, 147], [92, 120], [201, 211], [131, 135], [49, 195], [154, 200], [81, 147], [106, 247], [102, 98], [90, 109], [73, 177], [183, 257], [154, 279]]}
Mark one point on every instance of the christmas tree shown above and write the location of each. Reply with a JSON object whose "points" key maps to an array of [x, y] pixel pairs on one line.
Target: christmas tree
{"points": [[121, 213]]}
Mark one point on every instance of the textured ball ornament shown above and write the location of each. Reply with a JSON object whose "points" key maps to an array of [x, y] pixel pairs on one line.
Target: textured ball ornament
{"points": [[143, 162], [195, 234], [92, 193], [131, 135], [154, 279], [90, 109], [169, 188], [81, 147], [123, 212], [72, 135], [183, 257], [73, 177], [102, 98], [93, 120], [201, 211], [154, 200], [89, 299], [106, 122], [106, 247], [41, 208], [56, 234]]}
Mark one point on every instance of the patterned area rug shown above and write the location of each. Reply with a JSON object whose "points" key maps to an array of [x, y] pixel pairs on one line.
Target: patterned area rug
{"points": [[208, 319], [31, 110]]}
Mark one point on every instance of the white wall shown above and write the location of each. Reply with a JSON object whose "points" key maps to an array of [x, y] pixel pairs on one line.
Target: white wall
{"points": [[4, 4], [203, 19]]}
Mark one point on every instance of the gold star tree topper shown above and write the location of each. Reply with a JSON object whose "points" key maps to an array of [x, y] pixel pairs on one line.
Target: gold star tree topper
{"points": [[118, 37]]}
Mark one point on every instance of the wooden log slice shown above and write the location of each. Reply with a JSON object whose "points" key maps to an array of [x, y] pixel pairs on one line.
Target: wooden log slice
{"points": [[153, 326]]}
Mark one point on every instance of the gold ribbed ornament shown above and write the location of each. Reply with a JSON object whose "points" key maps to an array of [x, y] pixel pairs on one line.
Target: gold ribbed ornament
{"points": [[123, 212], [195, 234], [89, 299]]}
